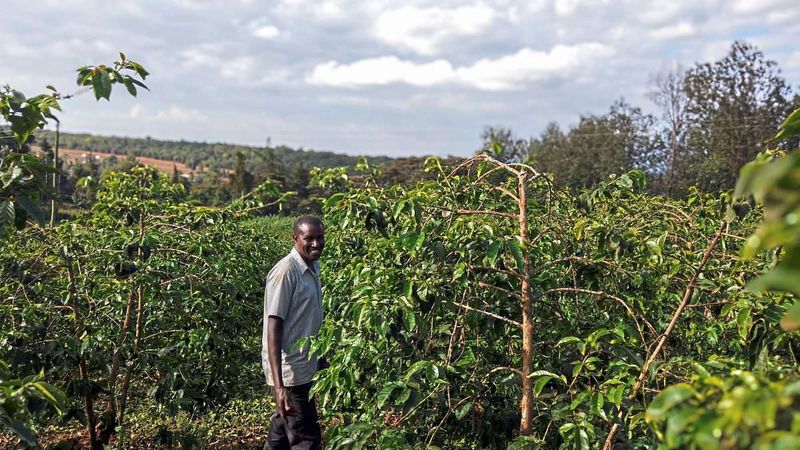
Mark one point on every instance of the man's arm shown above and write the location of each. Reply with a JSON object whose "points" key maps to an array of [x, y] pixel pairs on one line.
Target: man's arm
{"points": [[274, 348]]}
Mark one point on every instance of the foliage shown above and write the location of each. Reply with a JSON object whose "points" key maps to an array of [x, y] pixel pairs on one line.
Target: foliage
{"points": [[19, 397], [774, 181], [211, 155], [101, 78], [23, 176], [597, 146], [21, 183], [715, 116], [423, 330], [734, 104], [158, 292], [741, 410], [750, 409]]}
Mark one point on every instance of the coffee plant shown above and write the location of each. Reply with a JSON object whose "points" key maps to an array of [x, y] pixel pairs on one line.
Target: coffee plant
{"points": [[144, 295], [480, 309], [759, 408], [426, 330]]}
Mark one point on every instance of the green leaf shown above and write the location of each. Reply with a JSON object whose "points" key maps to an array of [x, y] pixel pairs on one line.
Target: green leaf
{"points": [[30, 207], [579, 400], [566, 428], [411, 319], [677, 424], [701, 371], [743, 322], [23, 432], [516, 252], [416, 367], [491, 254], [130, 87], [52, 394], [540, 384], [101, 84], [333, 200], [791, 320], [432, 372], [569, 340], [792, 120], [6, 215], [615, 395], [668, 399], [780, 279], [404, 396], [577, 369], [462, 410], [384, 394], [459, 271], [140, 70]]}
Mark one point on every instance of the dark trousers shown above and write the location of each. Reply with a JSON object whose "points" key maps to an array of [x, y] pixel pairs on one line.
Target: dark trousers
{"points": [[299, 430]]}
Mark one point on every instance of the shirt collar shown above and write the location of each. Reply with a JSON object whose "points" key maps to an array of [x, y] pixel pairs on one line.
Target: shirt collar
{"points": [[302, 263]]}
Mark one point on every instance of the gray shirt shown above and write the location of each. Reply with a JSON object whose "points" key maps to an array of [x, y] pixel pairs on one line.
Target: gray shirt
{"points": [[293, 293]]}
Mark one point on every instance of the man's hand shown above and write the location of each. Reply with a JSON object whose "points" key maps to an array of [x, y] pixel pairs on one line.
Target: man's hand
{"points": [[282, 402], [274, 337]]}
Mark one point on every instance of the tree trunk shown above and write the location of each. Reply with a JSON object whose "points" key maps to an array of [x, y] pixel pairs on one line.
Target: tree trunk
{"points": [[83, 372], [55, 177], [123, 396], [526, 404]]}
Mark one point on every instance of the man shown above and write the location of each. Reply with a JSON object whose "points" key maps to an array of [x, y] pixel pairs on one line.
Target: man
{"points": [[293, 310]]}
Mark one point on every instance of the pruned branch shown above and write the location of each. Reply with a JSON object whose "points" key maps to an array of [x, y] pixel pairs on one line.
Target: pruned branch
{"points": [[659, 345]]}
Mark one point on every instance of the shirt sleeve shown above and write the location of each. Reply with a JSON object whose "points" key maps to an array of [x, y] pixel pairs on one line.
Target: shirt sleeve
{"points": [[278, 293]]}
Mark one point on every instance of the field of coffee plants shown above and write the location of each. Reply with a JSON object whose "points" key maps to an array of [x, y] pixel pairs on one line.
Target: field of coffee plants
{"points": [[481, 309]]}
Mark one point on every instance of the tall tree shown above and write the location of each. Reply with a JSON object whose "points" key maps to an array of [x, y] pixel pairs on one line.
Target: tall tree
{"points": [[615, 142], [734, 105], [241, 180], [501, 144], [669, 94]]}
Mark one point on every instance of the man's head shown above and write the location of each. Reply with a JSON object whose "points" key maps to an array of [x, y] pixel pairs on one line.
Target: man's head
{"points": [[308, 235]]}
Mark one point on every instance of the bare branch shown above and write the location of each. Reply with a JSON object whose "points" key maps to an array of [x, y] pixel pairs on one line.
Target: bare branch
{"points": [[486, 313]]}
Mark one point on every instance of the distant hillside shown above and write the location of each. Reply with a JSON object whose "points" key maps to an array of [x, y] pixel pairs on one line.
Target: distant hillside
{"points": [[200, 154]]}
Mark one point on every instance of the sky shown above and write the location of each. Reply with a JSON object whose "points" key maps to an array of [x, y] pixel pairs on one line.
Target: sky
{"points": [[383, 77]]}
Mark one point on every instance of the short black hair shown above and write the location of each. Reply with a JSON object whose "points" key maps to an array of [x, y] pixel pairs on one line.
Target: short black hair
{"points": [[307, 220]]}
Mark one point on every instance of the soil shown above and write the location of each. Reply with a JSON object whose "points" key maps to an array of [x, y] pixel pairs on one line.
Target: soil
{"points": [[73, 155]]}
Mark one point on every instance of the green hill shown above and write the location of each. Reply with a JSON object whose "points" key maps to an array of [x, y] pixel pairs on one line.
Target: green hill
{"points": [[199, 154]]}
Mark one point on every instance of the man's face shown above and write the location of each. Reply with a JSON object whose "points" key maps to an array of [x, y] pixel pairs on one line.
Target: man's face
{"points": [[309, 241]]}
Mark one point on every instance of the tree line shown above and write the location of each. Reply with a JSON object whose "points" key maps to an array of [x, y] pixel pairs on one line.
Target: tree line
{"points": [[199, 155], [713, 118]]}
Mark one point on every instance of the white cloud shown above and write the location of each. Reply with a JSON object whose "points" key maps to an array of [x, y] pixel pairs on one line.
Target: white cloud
{"points": [[568, 7], [261, 27], [178, 114], [513, 71], [326, 11], [266, 32], [757, 6], [273, 77], [214, 57], [380, 71], [238, 67], [16, 49], [665, 12], [675, 31], [505, 73], [424, 30], [201, 55]]}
